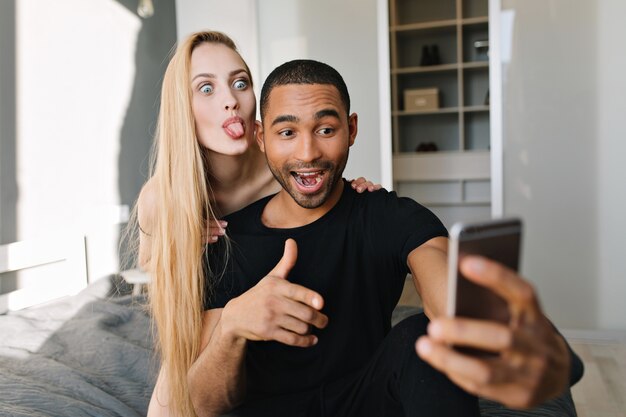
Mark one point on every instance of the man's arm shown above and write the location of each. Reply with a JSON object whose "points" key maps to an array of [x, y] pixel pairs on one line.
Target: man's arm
{"points": [[533, 361], [274, 309], [428, 265], [216, 379]]}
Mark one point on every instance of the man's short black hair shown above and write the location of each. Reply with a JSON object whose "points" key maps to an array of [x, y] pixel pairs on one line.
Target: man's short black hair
{"points": [[304, 71]]}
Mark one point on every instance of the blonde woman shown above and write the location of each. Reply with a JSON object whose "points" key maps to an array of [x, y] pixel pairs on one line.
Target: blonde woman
{"points": [[205, 165]]}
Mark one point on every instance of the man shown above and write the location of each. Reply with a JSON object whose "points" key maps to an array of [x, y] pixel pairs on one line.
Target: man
{"points": [[299, 322]]}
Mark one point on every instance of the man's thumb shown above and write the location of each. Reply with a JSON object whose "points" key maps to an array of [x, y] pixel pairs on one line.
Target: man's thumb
{"points": [[287, 262]]}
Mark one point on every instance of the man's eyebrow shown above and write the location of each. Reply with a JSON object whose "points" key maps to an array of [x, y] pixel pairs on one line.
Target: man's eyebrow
{"points": [[285, 118], [209, 75], [326, 112]]}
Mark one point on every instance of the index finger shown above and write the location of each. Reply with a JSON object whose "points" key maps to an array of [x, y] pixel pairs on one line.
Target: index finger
{"points": [[503, 281], [302, 295]]}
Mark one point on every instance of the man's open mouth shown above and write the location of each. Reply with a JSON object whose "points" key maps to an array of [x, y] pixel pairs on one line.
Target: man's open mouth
{"points": [[308, 179]]}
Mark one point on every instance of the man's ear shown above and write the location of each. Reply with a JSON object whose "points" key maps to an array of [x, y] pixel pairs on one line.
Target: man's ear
{"points": [[259, 135], [353, 121]]}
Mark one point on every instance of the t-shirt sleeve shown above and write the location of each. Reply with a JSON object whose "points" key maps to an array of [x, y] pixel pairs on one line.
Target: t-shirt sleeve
{"points": [[407, 226], [424, 225]]}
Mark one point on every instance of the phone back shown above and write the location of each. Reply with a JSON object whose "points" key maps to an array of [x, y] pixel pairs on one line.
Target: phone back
{"points": [[498, 240]]}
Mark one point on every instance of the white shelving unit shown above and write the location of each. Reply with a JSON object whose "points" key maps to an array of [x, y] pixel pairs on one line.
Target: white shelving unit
{"points": [[453, 181]]}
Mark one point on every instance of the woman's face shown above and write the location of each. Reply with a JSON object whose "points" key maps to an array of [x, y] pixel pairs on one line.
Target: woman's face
{"points": [[223, 103]]}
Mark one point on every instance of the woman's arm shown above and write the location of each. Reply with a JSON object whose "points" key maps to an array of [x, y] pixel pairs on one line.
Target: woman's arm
{"points": [[146, 213]]}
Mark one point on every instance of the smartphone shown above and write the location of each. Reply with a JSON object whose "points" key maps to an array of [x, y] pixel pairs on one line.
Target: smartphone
{"points": [[499, 240]]}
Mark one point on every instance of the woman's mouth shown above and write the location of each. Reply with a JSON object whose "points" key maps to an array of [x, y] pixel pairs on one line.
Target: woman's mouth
{"points": [[234, 127]]}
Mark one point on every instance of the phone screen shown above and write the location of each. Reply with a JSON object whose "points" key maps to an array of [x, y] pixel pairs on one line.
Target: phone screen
{"points": [[498, 240]]}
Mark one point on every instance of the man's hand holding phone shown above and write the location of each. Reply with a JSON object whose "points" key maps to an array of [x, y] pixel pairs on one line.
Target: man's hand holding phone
{"points": [[529, 363]]}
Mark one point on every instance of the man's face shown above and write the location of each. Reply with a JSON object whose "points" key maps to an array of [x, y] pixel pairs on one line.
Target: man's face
{"points": [[305, 136]]}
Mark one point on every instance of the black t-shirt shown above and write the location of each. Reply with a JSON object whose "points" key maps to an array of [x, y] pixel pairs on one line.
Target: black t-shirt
{"points": [[355, 256]]}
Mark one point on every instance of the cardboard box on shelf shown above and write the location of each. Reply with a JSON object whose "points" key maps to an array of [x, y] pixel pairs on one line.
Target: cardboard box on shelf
{"points": [[423, 99]]}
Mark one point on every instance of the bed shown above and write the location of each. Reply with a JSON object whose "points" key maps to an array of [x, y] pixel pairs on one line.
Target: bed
{"points": [[71, 347], [91, 353]]}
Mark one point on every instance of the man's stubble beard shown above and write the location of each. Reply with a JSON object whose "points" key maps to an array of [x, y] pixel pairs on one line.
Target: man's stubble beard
{"points": [[283, 176]]}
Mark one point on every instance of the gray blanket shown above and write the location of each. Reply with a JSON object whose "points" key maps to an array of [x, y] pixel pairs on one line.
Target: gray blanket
{"points": [[86, 355]]}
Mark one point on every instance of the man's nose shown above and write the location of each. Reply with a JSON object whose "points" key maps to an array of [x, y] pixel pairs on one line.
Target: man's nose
{"points": [[308, 149]]}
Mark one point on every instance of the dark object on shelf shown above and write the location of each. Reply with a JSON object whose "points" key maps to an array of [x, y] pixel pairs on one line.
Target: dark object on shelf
{"points": [[430, 56], [487, 98], [426, 147], [426, 58], [434, 55]]}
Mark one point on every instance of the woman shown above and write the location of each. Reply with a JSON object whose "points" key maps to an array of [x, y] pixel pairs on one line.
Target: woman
{"points": [[206, 165]]}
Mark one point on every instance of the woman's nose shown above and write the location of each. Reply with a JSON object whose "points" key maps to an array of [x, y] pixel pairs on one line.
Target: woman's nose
{"points": [[230, 101]]}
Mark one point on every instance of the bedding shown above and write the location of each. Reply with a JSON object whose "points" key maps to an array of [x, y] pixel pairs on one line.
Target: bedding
{"points": [[86, 355], [92, 355]]}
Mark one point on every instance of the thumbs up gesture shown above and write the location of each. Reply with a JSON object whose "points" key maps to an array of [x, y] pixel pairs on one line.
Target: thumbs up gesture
{"points": [[275, 309]]}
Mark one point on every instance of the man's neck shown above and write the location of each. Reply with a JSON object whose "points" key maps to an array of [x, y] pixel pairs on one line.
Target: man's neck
{"points": [[282, 212]]}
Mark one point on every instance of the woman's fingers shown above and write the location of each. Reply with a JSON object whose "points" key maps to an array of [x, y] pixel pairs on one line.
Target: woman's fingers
{"points": [[361, 184], [216, 229]]}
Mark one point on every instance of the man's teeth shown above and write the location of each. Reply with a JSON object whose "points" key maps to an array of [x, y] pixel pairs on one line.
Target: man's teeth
{"points": [[308, 179]]}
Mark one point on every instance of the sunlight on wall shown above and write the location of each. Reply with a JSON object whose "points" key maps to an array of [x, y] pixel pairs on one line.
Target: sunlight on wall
{"points": [[75, 73]]}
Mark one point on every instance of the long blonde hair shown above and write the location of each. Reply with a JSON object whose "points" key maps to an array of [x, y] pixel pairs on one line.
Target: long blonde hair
{"points": [[184, 207]]}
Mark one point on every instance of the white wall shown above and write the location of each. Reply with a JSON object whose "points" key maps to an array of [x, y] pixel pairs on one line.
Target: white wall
{"points": [[86, 79], [563, 96], [611, 166], [344, 35], [237, 18]]}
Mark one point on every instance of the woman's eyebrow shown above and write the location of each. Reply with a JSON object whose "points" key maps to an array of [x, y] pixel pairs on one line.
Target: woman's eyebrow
{"points": [[209, 75]]}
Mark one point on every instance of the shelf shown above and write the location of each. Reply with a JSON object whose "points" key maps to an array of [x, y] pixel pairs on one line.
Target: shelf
{"points": [[440, 68], [476, 65], [440, 166], [444, 110], [475, 109], [475, 20], [441, 24], [430, 68], [455, 180]]}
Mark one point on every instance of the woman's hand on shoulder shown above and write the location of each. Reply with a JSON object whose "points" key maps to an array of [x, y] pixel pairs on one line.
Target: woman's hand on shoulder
{"points": [[216, 229], [361, 184]]}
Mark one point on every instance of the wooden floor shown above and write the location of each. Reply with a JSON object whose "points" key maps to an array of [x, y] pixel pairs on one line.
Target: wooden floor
{"points": [[602, 391]]}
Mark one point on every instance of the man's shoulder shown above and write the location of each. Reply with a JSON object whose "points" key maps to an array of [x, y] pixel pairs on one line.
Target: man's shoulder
{"points": [[247, 214], [386, 200]]}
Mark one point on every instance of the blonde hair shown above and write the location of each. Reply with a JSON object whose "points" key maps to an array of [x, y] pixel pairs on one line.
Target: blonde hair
{"points": [[184, 207]]}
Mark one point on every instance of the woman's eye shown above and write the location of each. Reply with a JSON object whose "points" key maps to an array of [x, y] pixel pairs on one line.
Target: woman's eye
{"points": [[206, 89], [240, 84]]}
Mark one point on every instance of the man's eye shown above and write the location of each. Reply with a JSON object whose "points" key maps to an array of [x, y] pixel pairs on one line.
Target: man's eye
{"points": [[325, 131], [206, 89], [286, 133], [240, 84]]}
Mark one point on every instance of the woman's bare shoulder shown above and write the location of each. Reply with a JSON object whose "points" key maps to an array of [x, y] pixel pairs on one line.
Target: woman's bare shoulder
{"points": [[146, 205]]}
